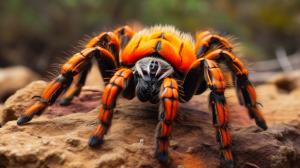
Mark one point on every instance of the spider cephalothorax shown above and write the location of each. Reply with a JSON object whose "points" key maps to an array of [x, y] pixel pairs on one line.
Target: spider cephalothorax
{"points": [[149, 65]]}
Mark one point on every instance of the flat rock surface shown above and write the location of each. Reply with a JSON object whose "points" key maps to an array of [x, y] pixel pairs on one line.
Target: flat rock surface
{"points": [[59, 137]]}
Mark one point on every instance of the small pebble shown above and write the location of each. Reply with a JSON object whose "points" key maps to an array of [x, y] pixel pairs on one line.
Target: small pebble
{"points": [[141, 141]]}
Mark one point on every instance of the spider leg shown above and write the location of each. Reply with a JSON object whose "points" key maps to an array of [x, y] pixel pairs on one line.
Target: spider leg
{"points": [[247, 97], [205, 40], [110, 42], [168, 110], [245, 89], [218, 106], [124, 33], [75, 88], [113, 42], [121, 80], [206, 73], [76, 64], [194, 82], [108, 58]]}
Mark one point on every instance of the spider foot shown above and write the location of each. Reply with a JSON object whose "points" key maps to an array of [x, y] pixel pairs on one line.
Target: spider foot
{"points": [[95, 141], [226, 164], [72, 92], [162, 157], [262, 124], [259, 120], [65, 101], [24, 119]]}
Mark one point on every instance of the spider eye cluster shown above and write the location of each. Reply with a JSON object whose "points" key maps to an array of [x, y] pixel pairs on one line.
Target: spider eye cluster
{"points": [[153, 68]]}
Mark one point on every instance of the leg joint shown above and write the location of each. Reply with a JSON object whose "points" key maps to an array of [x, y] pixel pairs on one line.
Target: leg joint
{"points": [[168, 122], [163, 138], [65, 77], [105, 124], [40, 99], [223, 125], [242, 80], [225, 147], [218, 96], [108, 106]]}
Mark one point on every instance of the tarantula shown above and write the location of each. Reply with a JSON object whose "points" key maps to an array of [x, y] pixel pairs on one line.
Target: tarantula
{"points": [[148, 64]]}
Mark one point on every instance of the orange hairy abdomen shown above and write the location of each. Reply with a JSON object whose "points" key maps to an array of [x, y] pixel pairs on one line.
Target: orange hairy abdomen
{"points": [[177, 51]]}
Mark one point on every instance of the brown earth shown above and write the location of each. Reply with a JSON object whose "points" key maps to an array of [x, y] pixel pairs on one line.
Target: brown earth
{"points": [[59, 137]]}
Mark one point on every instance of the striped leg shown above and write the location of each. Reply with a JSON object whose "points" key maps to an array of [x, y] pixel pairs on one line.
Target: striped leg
{"points": [[124, 33], [119, 82], [75, 88], [205, 40], [219, 109], [76, 64], [113, 42], [245, 89], [168, 110], [247, 97], [108, 57]]}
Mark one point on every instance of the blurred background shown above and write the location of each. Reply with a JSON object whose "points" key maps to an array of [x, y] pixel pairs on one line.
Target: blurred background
{"points": [[39, 33]]}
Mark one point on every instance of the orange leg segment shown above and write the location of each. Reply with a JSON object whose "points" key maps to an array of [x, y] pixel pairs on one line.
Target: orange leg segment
{"points": [[117, 83], [107, 55], [75, 88], [231, 60], [247, 97], [206, 39], [245, 89], [169, 106], [124, 33], [76, 64], [219, 109]]}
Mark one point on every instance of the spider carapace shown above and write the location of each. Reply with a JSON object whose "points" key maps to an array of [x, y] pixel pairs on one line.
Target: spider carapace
{"points": [[148, 65]]}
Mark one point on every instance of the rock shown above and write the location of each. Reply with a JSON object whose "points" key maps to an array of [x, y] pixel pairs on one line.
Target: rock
{"points": [[59, 137], [14, 78], [286, 81], [73, 142], [17, 103], [190, 150], [136, 148], [174, 144], [25, 156], [1, 107], [277, 147], [279, 106], [76, 165], [116, 158]]}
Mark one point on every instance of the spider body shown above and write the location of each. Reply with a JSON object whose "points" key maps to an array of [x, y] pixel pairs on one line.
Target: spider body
{"points": [[173, 46], [149, 64]]}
